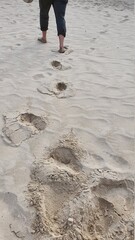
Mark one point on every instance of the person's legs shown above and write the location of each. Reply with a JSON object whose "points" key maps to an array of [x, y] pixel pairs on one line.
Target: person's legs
{"points": [[59, 9], [44, 18]]}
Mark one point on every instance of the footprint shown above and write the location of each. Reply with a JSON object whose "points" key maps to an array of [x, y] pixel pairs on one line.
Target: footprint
{"points": [[19, 128], [55, 181], [55, 186], [114, 203], [61, 86], [119, 194], [57, 65], [66, 156], [33, 120], [63, 155], [60, 89], [68, 153]]}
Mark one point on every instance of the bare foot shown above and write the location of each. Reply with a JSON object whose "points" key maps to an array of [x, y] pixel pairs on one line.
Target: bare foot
{"points": [[62, 49], [42, 40]]}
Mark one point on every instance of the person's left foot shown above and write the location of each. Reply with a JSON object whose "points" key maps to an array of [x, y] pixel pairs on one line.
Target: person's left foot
{"points": [[42, 40]]}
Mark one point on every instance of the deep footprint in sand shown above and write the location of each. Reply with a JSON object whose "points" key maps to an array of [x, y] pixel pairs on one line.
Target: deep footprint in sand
{"points": [[58, 88], [56, 64], [33, 120], [61, 86], [19, 128], [63, 155], [55, 181], [66, 155], [54, 186]]}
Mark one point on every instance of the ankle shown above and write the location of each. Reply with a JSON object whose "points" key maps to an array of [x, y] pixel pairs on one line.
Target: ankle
{"points": [[44, 35], [62, 50]]}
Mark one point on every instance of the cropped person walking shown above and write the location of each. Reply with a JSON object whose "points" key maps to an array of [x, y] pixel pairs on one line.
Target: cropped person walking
{"points": [[59, 7]]}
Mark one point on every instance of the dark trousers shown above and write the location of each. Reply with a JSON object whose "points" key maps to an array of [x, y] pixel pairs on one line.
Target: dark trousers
{"points": [[59, 7]]}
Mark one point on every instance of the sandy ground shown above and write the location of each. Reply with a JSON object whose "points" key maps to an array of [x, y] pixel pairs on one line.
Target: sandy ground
{"points": [[67, 123]]}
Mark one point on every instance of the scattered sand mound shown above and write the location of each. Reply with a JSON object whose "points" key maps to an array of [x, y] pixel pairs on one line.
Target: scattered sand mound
{"points": [[69, 204], [56, 181], [116, 201]]}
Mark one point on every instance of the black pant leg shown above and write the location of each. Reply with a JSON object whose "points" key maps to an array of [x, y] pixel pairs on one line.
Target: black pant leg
{"points": [[44, 13], [59, 9]]}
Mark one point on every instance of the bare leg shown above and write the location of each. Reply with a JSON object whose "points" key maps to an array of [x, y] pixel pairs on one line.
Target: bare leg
{"points": [[61, 44], [44, 33], [59, 7], [45, 6], [43, 39]]}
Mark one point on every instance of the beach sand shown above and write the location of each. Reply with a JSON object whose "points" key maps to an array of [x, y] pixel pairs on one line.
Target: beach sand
{"points": [[67, 123]]}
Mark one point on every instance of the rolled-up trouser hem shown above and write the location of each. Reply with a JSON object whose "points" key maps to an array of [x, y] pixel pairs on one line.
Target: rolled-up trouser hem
{"points": [[45, 6], [62, 33], [43, 29]]}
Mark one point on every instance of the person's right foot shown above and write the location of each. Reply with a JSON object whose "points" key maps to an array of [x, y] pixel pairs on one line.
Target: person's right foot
{"points": [[42, 40]]}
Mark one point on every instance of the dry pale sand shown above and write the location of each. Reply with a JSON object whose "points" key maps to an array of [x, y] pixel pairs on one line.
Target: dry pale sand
{"points": [[67, 123]]}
